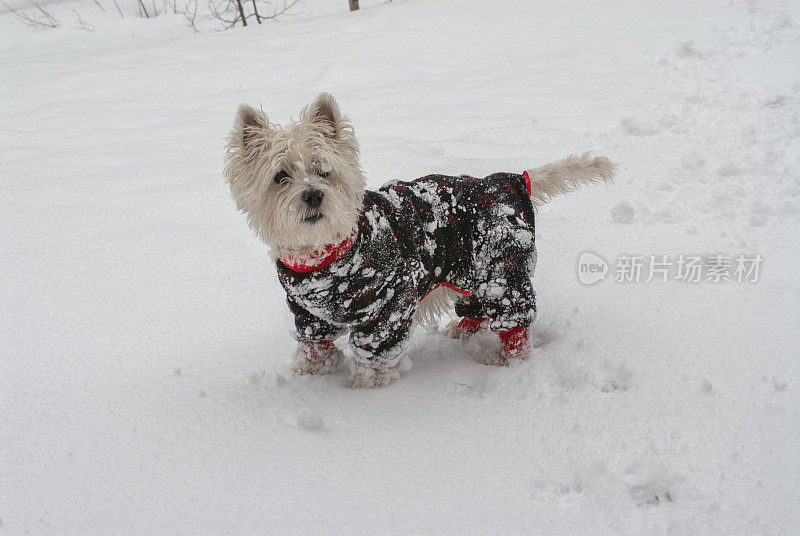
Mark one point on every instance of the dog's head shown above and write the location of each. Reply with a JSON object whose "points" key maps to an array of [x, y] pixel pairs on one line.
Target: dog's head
{"points": [[301, 185]]}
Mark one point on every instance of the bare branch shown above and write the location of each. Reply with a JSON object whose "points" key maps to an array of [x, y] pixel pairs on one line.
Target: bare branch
{"points": [[45, 19], [42, 10], [230, 12], [241, 12], [223, 10], [118, 9], [82, 24], [283, 9], [255, 10], [191, 14], [98, 5]]}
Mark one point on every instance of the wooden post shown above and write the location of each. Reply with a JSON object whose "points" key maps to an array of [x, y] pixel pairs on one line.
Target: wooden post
{"points": [[353, 5]]}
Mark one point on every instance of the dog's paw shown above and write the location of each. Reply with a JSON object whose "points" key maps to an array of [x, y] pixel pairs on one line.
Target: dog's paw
{"points": [[464, 328], [308, 367], [496, 358], [301, 364], [454, 332], [370, 378]]}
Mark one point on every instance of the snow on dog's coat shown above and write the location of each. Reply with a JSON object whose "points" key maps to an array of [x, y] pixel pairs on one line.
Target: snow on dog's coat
{"points": [[356, 260], [474, 235]]}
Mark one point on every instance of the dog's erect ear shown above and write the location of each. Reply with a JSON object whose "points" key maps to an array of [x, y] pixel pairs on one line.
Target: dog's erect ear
{"points": [[250, 123], [325, 113]]}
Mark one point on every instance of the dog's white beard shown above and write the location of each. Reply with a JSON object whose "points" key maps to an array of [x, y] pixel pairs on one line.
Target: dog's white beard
{"points": [[287, 232]]}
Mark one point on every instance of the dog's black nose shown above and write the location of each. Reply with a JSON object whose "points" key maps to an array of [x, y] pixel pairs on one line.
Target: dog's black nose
{"points": [[313, 197]]}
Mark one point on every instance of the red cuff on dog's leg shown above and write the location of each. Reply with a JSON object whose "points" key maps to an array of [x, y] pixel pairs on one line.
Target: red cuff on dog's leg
{"points": [[470, 325], [316, 351], [515, 342]]}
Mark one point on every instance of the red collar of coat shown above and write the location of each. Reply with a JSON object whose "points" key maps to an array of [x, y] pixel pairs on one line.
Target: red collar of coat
{"points": [[322, 257]]}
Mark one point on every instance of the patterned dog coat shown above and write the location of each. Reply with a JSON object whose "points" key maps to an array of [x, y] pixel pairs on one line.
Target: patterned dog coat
{"points": [[475, 236]]}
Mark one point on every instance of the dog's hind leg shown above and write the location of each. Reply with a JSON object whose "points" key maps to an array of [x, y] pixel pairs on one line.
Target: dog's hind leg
{"points": [[506, 259], [472, 318]]}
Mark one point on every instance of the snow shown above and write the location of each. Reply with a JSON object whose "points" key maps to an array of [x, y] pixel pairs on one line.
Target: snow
{"points": [[145, 341], [622, 212]]}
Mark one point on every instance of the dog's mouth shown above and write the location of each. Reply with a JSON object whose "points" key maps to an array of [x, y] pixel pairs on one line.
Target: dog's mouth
{"points": [[314, 217]]}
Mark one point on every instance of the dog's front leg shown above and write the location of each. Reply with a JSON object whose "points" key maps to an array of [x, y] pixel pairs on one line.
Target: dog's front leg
{"points": [[378, 356], [316, 357], [316, 353]]}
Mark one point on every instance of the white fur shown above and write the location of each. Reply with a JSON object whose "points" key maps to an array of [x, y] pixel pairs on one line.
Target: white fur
{"points": [[322, 139], [494, 358], [368, 377], [302, 365], [437, 303], [568, 175]]}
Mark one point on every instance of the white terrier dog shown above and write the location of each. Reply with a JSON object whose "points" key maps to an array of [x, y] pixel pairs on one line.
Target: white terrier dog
{"points": [[368, 262]]}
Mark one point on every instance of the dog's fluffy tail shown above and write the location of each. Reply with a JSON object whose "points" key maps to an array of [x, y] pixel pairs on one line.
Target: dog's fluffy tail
{"points": [[568, 175]]}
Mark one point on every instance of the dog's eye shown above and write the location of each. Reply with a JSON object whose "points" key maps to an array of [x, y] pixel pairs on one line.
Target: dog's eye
{"points": [[281, 177], [323, 170]]}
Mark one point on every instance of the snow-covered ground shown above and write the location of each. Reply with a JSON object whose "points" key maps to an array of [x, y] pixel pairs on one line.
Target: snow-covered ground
{"points": [[144, 339]]}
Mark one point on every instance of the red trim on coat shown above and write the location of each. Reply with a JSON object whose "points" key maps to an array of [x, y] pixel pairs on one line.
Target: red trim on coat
{"points": [[329, 254], [451, 287], [469, 325], [527, 181]]}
